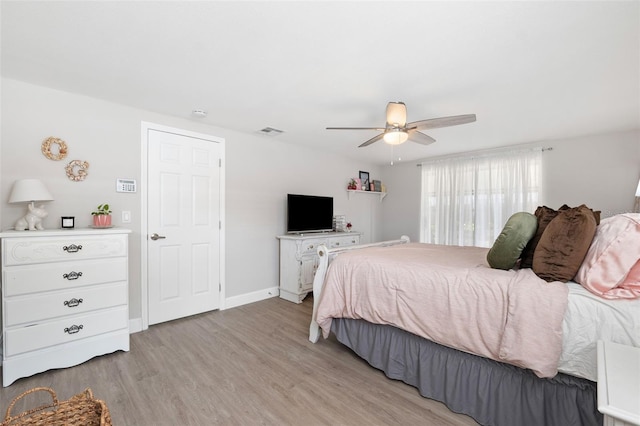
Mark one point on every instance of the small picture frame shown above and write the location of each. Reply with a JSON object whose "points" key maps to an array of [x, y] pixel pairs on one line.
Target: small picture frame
{"points": [[364, 178], [67, 222]]}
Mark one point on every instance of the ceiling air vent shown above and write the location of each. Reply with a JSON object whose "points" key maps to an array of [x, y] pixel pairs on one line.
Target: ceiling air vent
{"points": [[270, 131]]}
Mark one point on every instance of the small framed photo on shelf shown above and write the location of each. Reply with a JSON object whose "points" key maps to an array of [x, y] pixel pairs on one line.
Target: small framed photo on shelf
{"points": [[377, 185], [364, 178], [68, 222]]}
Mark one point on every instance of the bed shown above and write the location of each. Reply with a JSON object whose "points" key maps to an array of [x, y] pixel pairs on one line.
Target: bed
{"points": [[519, 351]]}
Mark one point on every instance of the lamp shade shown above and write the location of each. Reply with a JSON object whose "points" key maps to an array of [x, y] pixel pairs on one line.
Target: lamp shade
{"points": [[395, 137], [638, 190], [28, 190]]}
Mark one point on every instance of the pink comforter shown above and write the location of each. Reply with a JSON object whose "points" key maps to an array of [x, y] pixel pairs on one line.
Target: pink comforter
{"points": [[449, 295]]}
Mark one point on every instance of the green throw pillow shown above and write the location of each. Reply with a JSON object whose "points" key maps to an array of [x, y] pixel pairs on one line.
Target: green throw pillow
{"points": [[515, 235]]}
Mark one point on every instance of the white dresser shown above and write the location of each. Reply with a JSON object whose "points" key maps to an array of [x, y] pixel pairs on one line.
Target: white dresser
{"points": [[65, 298], [299, 260]]}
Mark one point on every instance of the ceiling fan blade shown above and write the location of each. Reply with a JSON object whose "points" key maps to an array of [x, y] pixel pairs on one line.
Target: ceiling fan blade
{"points": [[372, 140], [380, 129], [420, 138], [434, 123], [396, 114]]}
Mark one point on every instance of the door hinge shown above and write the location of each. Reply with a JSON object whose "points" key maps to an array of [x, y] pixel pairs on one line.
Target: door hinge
{"points": [[219, 162], [219, 224], [219, 286]]}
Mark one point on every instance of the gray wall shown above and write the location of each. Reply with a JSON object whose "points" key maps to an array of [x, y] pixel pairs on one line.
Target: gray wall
{"points": [[260, 171], [601, 171]]}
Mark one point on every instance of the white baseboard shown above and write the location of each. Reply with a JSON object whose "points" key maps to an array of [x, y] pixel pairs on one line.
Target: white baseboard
{"points": [[256, 296], [135, 324]]}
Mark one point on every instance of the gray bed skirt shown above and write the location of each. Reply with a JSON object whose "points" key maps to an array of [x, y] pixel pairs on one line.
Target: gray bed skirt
{"points": [[490, 392]]}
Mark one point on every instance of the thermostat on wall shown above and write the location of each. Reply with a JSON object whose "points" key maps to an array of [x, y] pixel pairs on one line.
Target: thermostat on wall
{"points": [[125, 185]]}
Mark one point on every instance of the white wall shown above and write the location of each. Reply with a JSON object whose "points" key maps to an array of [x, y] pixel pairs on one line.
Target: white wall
{"points": [[260, 171], [401, 209], [601, 171]]}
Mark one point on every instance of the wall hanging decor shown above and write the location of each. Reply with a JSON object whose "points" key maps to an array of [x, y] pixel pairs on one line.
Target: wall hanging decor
{"points": [[61, 148], [77, 170]]}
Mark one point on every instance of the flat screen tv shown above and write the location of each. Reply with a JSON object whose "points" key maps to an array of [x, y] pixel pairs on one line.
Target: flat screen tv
{"points": [[309, 213]]}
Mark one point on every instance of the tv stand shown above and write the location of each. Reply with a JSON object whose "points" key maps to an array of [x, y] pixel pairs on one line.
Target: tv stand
{"points": [[299, 260]]}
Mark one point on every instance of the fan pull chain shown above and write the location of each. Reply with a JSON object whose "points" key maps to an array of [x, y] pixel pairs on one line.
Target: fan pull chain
{"points": [[392, 157]]}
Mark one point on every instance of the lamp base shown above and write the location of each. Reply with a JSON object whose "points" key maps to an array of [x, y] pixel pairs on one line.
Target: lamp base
{"points": [[32, 221]]}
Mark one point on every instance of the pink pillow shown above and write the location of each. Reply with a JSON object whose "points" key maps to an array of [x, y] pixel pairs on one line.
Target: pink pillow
{"points": [[611, 268]]}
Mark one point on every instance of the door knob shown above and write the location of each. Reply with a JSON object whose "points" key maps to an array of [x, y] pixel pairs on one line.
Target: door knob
{"points": [[155, 236]]}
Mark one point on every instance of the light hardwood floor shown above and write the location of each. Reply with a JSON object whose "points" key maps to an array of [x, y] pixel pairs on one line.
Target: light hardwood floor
{"points": [[250, 365]]}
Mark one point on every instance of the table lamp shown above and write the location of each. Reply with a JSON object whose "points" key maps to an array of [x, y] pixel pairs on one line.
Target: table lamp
{"points": [[30, 191]]}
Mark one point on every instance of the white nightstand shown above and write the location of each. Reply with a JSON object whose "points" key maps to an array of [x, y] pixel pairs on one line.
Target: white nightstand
{"points": [[619, 384]]}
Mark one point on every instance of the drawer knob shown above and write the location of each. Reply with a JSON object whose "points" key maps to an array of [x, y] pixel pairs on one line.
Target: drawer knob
{"points": [[72, 275], [72, 248], [72, 303], [73, 329]]}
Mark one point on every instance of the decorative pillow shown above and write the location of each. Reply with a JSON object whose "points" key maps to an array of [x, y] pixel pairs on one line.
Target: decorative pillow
{"points": [[564, 244], [544, 215], [633, 277], [514, 237], [611, 268]]}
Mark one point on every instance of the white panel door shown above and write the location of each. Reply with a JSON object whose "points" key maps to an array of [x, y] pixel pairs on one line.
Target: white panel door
{"points": [[183, 225]]}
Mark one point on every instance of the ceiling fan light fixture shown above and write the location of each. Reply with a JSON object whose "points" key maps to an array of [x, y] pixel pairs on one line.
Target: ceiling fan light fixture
{"points": [[395, 136], [397, 114]]}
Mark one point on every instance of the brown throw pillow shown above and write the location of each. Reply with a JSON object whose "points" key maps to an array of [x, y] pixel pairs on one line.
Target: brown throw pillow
{"points": [[544, 215], [564, 244]]}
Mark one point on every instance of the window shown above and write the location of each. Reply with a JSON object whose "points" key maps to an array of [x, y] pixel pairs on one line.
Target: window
{"points": [[467, 200]]}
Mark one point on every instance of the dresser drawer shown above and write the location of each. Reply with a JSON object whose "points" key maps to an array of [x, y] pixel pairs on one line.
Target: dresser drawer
{"points": [[308, 246], [27, 279], [38, 307], [64, 330], [345, 241], [22, 251]]}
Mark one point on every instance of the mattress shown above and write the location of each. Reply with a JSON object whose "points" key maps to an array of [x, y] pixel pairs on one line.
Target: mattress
{"points": [[590, 318]]}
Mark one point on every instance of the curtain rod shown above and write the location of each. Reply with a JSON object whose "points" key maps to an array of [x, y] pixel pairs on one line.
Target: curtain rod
{"points": [[480, 153]]}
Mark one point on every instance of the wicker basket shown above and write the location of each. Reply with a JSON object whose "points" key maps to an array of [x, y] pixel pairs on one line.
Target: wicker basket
{"points": [[82, 409]]}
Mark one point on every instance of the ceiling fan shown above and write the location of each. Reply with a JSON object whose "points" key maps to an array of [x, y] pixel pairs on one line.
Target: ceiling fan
{"points": [[398, 131]]}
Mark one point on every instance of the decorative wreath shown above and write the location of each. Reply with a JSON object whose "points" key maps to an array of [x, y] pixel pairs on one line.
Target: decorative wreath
{"points": [[77, 170], [62, 148]]}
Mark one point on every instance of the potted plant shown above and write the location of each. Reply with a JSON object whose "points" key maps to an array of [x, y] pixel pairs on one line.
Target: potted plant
{"points": [[102, 216]]}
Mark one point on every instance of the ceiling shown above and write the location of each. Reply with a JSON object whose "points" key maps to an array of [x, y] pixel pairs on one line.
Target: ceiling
{"points": [[529, 70]]}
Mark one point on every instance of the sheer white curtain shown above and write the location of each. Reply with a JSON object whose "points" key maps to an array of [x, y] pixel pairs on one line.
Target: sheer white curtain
{"points": [[467, 200]]}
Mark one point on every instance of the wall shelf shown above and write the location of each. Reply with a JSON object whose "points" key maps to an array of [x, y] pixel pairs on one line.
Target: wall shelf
{"points": [[380, 194]]}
